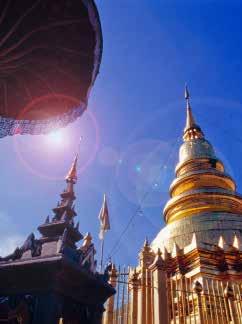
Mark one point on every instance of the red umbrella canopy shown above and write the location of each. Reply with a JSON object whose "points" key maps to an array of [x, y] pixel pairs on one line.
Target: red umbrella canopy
{"points": [[50, 53]]}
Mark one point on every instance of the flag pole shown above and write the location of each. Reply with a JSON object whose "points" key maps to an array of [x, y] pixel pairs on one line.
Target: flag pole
{"points": [[102, 248], [104, 227]]}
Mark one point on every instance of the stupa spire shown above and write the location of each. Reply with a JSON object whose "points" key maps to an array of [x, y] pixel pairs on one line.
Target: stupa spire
{"points": [[72, 174], [200, 177], [190, 122], [191, 130]]}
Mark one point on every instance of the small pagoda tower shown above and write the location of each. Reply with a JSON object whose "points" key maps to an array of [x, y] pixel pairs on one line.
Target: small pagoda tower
{"points": [[49, 280], [62, 223]]}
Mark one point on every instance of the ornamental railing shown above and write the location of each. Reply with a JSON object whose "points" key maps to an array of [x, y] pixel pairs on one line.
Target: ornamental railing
{"points": [[149, 297]]}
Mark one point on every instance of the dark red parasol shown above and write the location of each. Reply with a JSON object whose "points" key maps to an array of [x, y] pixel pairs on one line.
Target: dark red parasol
{"points": [[50, 53]]}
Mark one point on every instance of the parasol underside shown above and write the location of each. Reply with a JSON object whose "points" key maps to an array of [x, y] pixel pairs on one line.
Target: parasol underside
{"points": [[50, 53]]}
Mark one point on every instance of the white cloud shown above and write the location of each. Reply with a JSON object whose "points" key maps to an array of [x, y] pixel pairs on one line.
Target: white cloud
{"points": [[10, 238], [9, 243]]}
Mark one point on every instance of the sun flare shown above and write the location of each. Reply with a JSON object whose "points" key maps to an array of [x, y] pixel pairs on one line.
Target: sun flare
{"points": [[55, 138]]}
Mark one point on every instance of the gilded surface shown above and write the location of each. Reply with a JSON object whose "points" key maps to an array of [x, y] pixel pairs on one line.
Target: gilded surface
{"points": [[203, 197], [201, 185], [199, 252], [208, 228], [197, 148]]}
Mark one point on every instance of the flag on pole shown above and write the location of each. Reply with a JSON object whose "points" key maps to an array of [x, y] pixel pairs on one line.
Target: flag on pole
{"points": [[104, 219]]}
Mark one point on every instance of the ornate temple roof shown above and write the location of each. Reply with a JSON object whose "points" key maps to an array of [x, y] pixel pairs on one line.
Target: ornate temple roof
{"points": [[54, 261]]}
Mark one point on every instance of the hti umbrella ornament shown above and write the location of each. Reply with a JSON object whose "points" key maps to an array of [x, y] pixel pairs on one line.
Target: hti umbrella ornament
{"points": [[50, 54]]}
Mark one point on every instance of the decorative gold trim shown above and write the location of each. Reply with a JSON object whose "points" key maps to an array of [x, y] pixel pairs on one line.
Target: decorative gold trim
{"points": [[186, 205]]}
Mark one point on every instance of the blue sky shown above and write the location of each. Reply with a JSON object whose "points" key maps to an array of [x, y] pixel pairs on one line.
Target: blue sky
{"points": [[132, 132]]}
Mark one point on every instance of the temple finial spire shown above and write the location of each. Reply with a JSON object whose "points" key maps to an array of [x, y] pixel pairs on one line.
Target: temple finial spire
{"points": [[64, 212], [190, 122], [192, 130], [72, 174], [187, 95]]}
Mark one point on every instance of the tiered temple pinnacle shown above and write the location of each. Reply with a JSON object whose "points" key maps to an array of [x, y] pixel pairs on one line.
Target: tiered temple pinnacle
{"points": [[201, 186], [64, 212], [57, 276]]}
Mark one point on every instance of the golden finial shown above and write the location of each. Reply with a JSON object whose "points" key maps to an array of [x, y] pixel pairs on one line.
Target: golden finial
{"points": [[146, 242], [221, 242], [187, 94], [236, 242], [87, 240], [190, 122], [72, 174], [191, 130]]}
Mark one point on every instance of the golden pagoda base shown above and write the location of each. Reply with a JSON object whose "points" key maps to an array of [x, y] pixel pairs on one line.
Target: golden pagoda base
{"points": [[189, 285]]}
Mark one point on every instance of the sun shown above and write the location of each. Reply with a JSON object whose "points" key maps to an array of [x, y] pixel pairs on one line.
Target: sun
{"points": [[55, 138]]}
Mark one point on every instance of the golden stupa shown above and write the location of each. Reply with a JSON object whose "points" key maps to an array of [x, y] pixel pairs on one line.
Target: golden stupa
{"points": [[203, 199], [192, 271]]}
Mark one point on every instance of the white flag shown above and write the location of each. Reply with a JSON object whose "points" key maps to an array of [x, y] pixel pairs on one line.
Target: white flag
{"points": [[104, 219]]}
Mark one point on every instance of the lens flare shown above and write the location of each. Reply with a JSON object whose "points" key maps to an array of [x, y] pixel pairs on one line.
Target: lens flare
{"points": [[39, 156]]}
